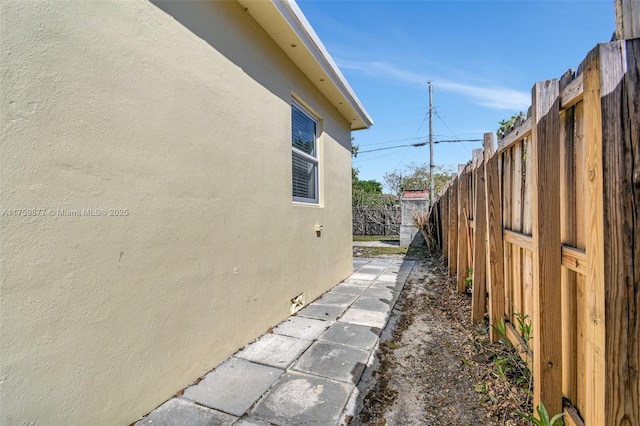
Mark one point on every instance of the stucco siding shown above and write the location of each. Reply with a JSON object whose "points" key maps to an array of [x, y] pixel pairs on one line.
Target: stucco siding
{"points": [[178, 113]]}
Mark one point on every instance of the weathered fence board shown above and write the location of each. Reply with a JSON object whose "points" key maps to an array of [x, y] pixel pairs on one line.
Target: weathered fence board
{"points": [[478, 307], [627, 19], [561, 222], [495, 273], [445, 225], [506, 224], [547, 308], [612, 151], [568, 228], [453, 226], [463, 231]]}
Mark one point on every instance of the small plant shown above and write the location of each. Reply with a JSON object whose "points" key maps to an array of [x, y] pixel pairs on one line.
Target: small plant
{"points": [[510, 367], [506, 125], [468, 282], [422, 220], [501, 329], [481, 387], [525, 326], [543, 417], [391, 345], [502, 365]]}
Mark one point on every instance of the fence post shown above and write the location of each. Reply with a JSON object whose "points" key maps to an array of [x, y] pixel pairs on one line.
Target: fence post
{"points": [[495, 245], [479, 298], [453, 226], [444, 217], [434, 220], [438, 222], [627, 19], [547, 306], [463, 232], [612, 148]]}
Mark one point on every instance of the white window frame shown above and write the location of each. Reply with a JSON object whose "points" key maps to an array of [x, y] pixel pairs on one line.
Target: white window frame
{"points": [[303, 155]]}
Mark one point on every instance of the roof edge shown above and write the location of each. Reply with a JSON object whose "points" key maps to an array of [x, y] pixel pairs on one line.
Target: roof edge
{"points": [[299, 23], [292, 16]]}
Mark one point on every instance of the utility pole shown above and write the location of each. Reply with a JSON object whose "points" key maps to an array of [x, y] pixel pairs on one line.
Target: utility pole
{"points": [[431, 165]]}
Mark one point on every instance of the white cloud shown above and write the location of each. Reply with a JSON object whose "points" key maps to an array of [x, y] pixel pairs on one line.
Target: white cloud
{"points": [[490, 95]]}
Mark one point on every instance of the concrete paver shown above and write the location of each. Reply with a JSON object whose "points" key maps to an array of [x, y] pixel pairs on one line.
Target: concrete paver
{"points": [[383, 243], [300, 399], [372, 304], [389, 285], [323, 312], [371, 266], [179, 411], [275, 350], [303, 372], [347, 289], [302, 328], [363, 275], [370, 271], [248, 421], [381, 293], [389, 278], [330, 298], [338, 362], [359, 263], [234, 386], [383, 262], [365, 317], [357, 283], [358, 336]]}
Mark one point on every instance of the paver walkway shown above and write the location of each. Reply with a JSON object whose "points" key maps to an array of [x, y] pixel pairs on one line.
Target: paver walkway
{"points": [[306, 371], [383, 243]]}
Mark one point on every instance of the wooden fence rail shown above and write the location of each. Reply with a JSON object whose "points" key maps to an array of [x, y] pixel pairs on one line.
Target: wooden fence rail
{"points": [[549, 222]]}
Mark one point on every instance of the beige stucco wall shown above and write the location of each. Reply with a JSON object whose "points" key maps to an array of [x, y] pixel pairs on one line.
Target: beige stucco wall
{"points": [[180, 114]]}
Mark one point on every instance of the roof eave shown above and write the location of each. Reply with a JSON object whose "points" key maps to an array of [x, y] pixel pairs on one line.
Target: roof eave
{"points": [[291, 31]]}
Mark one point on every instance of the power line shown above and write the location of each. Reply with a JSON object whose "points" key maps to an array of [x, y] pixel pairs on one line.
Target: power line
{"points": [[366, 145], [392, 141], [402, 158], [458, 140], [454, 135], [445, 125], [420, 144], [422, 123], [361, 160], [392, 147]]}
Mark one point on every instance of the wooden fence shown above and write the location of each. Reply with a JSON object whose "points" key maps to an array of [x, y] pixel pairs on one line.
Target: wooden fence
{"points": [[376, 220], [549, 222]]}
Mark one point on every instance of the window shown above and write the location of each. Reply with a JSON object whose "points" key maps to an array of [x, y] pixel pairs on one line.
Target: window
{"points": [[304, 150]]}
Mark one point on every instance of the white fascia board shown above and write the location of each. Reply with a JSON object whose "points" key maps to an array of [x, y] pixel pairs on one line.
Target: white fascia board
{"points": [[297, 22]]}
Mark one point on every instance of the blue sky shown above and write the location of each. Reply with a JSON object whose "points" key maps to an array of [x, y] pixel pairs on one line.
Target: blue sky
{"points": [[482, 58]]}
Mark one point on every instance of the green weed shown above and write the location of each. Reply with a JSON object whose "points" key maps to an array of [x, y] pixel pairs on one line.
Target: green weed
{"points": [[468, 282], [509, 366], [543, 417]]}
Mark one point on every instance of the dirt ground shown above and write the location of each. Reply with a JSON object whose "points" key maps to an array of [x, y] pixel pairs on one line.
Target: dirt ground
{"points": [[435, 367]]}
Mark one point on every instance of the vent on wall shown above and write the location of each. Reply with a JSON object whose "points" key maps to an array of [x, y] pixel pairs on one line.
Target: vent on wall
{"points": [[297, 303]]}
